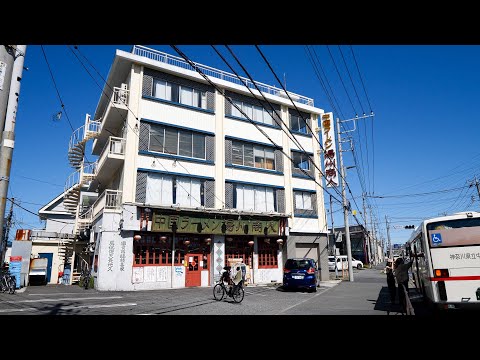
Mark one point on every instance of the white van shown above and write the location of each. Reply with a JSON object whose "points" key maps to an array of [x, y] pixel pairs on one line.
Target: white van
{"points": [[342, 260]]}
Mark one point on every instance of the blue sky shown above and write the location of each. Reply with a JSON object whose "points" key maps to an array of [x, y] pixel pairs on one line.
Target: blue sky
{"points": [[422, 139]]}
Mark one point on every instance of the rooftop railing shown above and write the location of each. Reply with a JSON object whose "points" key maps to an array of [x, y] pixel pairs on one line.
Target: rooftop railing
{"points": [[219, 74]]}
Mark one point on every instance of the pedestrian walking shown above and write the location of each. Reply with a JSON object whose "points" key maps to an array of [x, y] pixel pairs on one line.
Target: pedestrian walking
{"points": [[392, 287], [401, 275]]}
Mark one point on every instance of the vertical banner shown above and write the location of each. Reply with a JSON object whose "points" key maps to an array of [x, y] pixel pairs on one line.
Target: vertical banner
{"points": [[330, 152]]}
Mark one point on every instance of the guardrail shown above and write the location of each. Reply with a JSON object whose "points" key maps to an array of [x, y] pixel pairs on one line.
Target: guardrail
{"points": [[219, 74]]}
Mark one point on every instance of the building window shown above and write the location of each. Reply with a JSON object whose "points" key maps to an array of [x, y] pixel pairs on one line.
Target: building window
{"points": [[298, 124], [183, 94], [176, 142], [300, 161], [252, 155], [237, 249], [254, 198], [303, 200], [159, 189], [267, 253], [254, 112], [167, 190], [188, 192], [151, 251]]}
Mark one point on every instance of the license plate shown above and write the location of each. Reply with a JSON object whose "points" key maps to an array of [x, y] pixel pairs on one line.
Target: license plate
{"points": [[297, 277]]}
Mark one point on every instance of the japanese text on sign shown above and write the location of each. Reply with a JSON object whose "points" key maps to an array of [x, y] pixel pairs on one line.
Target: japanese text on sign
{"points": [[190, 224], [465, 256], [111, 251], [329, 156]]}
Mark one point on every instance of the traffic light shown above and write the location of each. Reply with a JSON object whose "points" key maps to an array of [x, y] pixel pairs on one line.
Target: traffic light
{"points": [[409, 226]]}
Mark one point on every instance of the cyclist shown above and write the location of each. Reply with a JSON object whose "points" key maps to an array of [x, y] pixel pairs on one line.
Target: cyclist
{"points": [[236, 280]]}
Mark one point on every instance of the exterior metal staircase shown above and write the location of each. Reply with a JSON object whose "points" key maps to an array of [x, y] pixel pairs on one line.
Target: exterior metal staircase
{"points": [[84, 174]]}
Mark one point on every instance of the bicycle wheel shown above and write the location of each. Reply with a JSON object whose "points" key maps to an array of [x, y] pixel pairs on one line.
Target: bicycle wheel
{"points": [[218, 292], [86, 282], [238, 295], [12, 286]]}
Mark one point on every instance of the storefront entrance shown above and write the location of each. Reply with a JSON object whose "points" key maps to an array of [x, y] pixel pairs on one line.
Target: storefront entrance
{"points": [[193, 276]]}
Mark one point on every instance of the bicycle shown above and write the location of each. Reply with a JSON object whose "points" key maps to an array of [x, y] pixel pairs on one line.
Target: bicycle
{"points": [[235, 291], [8, 282], [85, 279]]}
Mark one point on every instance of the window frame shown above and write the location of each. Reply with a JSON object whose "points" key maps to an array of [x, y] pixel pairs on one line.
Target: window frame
{"points": [[302, 156], [303, 193], [178, 131], [254, 146], [267, 254], [298, 119]]}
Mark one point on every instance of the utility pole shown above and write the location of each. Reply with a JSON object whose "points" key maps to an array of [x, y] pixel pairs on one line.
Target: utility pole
{"points": [[367, 240], [334, 240], [7, 57], [344, 204], [477, 184], [8, 136], [390, 255]]}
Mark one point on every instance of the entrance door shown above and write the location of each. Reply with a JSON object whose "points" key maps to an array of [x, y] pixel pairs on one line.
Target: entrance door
{"points": [[49, 257], [194, 271]]}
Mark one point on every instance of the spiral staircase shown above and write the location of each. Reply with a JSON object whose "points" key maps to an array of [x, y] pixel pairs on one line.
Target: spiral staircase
{"points": [[84, 173]]}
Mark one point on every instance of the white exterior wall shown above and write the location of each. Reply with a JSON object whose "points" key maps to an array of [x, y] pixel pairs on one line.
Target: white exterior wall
{"points": [[177, 115], [219, 151], [299, 183], [131, 147], [301, 224], [253, 176], [186, 167], [246, 130], [115, 258]]}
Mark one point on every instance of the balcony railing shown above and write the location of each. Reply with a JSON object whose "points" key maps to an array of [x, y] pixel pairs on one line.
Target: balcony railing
{"points": [[120, 95], [109, 199], [219, 74]]}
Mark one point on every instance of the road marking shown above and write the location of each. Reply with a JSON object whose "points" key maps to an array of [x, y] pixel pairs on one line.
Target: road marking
{"points": [[52, 294], [17, 310], [301, 302], [252, 293], [63, 299], [72, 307]]}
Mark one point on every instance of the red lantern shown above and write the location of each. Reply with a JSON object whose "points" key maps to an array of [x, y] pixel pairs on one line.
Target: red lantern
{"points": [[279, 241], [187, 242], [137, 237], [251, 242]]}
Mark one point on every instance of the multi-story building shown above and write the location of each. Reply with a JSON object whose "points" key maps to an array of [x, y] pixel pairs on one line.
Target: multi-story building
{"points": [[188, 184]]}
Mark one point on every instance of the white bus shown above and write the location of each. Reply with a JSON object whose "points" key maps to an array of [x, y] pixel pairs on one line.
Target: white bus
{"points": [[447, 270]]}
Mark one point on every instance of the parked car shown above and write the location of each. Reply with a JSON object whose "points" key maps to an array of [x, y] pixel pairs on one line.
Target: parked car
{"points": [[300, 273], [343, 260]]}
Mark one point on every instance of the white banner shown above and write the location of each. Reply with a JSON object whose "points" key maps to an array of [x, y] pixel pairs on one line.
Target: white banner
{"points": [[330, 150]]}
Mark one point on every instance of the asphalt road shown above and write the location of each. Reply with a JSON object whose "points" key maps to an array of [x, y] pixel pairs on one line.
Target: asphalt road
{"points": [[367, 295]]}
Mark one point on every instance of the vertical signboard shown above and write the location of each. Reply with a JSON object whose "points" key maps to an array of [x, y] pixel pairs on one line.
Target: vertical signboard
{"points": [[15, 269], [330, 150]]}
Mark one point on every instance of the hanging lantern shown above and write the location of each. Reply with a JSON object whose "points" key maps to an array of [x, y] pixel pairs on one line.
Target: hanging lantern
{"points": [[279, 241], [229, 239], [267, 240], [163, 238], [137, 237], [208, 240], [187, 242], [251, 242]]}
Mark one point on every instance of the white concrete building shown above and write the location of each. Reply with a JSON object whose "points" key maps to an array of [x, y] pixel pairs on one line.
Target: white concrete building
{"points": [[183, 175]]}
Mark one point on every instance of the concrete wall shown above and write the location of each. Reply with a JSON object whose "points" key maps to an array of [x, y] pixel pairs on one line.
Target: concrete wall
{"points": [[305, 238]]}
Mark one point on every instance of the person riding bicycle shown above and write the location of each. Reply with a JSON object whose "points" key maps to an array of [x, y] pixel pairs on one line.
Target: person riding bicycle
{"points": [[236, 280]]}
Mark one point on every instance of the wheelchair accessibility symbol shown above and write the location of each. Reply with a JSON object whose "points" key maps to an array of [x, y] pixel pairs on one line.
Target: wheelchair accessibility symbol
{"points": [[436, 239]]}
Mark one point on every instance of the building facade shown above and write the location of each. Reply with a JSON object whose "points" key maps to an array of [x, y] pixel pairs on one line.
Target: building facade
{"points": [[186, 184]]}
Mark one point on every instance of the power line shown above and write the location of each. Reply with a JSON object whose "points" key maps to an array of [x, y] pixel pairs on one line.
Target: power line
{"points": [[193, 65], [31, 212], [154, 157], [42, 181], [278, 80], [351, 80], [251, 79], [361, 79], [418, 194], [341, 80], [56, 88]]}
